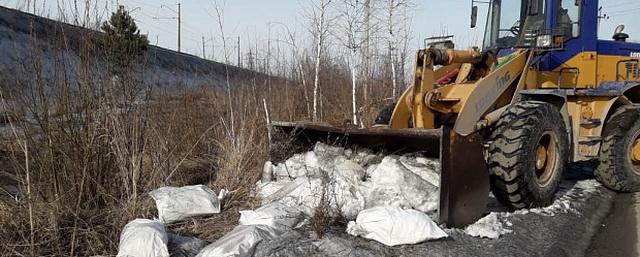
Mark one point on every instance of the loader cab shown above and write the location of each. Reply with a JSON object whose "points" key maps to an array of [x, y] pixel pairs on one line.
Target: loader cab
{"points": [[543, 24]]}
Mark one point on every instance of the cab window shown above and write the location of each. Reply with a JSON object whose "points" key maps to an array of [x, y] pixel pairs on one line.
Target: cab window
{"points": [[568, 19]]}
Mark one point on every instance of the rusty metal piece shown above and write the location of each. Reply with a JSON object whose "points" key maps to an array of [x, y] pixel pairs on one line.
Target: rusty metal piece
{"points": [[464, 180], [304, 135]]}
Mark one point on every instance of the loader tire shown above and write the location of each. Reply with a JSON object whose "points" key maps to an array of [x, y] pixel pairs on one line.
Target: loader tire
{"points": [[384, 117], [527, 154], [618, 169]]}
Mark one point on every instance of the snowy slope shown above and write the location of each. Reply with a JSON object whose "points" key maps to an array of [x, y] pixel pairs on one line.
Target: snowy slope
{"points": [[165, 68]]}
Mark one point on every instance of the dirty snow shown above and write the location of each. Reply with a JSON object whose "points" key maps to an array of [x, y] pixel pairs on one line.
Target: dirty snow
{"points": [[489, 226], [351, 181], [496, 224]]}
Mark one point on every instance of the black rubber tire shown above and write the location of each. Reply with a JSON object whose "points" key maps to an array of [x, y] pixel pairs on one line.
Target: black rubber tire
{"points": [[511, 158], [615, 169], [384, 117]]}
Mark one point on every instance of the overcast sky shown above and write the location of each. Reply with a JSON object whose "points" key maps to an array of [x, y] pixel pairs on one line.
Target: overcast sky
{"points": [[251, 20]]}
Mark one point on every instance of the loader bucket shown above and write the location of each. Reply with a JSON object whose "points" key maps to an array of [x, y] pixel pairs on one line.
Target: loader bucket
{"points": [[464, 179]]}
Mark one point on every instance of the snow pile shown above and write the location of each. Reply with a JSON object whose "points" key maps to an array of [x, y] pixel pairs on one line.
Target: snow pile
{"points": [[566, 203], [143, 238], [489, 226], [178, 203], [394, 226], [351, 181]]}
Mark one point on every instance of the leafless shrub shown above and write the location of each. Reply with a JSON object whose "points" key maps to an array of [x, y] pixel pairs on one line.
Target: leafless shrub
{"points": [[84, 148]]}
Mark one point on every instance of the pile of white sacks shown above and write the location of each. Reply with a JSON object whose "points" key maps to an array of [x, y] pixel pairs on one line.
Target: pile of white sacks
{"points": [[387, 198]]}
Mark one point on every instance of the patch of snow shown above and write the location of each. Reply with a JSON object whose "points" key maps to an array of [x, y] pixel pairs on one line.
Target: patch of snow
{"points": [[566, 203], [391, 183], [351, 181], [497, 224], [489, 226], [391, 225]]}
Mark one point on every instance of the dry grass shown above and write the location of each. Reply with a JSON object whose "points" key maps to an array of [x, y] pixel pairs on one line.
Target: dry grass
{"points": [[84, 155]]}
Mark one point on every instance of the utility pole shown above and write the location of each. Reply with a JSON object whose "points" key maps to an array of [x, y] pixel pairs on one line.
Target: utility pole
{"points": [[601, 16], [204, 52], [204, 47], [178, 17], [239, 56], [179, 26]]}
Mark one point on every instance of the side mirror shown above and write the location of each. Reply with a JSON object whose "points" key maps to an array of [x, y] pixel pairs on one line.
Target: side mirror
{"points": [[474, 16]]}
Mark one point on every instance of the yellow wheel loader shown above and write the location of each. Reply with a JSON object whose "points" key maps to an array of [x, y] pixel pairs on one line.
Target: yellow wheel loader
{"points": [[542, 92]]}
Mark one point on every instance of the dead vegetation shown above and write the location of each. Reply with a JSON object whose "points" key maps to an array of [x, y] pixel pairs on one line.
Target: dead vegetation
{"points": [[84, 149]]}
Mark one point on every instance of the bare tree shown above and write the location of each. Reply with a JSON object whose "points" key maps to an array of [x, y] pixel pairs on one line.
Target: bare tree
{"points": [[352, 28], [320, 20], [394, 20], [297, 64], [220, 19]]}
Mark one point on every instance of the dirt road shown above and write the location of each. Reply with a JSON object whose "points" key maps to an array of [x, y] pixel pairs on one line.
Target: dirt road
{"points": [[620, 232]]}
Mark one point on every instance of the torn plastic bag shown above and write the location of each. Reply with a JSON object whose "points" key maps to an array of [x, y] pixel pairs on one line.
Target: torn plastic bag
{"points": [[391, 225], [178, 203], [143, 238], [240, 242], [276, 215]]}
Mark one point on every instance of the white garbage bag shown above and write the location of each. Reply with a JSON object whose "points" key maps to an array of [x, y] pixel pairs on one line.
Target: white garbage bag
{"points": [[240, 242], [276, 215], [177, 203], [391, 225], [143, 238]]}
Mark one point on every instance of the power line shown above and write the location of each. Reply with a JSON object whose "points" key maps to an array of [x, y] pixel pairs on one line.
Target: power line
{"points": [[178, 17]]}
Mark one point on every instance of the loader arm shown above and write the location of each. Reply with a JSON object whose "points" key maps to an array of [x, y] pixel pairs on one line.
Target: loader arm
{"points": [[486, 92]]}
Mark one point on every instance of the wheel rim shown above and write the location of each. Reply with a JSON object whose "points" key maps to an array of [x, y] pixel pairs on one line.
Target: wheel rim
{"points": [[634, 152], [546, 158]]}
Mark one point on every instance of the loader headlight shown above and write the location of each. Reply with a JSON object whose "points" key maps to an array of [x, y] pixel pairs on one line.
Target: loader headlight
{"points": [[544, 41]]}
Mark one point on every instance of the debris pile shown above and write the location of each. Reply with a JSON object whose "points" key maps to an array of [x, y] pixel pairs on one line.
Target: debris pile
{"points": [[390, 199], [352, 181]]}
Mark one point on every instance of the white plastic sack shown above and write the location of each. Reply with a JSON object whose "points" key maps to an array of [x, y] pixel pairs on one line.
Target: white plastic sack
{"points": [[240, 242], [276, 215], [391, 225], [177, 203], [143, 238]]}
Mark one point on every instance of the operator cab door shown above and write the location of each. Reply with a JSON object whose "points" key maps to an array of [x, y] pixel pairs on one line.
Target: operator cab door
{"points": [[574, 65]]}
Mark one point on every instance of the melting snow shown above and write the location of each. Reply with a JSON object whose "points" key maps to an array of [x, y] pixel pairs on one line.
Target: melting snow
{"points": [[498, 223], [352, 181], [489, 226]]}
